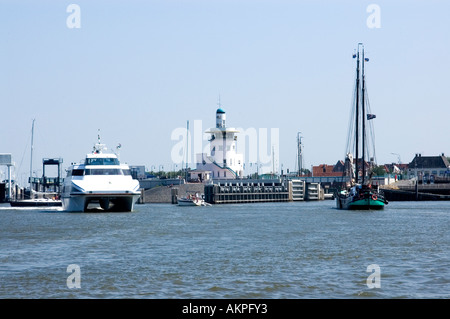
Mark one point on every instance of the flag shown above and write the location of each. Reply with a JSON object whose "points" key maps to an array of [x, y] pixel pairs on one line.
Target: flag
{"points": [[371, 116]]}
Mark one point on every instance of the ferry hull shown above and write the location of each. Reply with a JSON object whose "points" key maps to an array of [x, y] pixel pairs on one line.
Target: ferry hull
{"points": [[100, 202]]}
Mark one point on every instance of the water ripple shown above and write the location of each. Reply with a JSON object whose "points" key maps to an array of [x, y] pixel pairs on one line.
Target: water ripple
{"points": [[272, 250]]}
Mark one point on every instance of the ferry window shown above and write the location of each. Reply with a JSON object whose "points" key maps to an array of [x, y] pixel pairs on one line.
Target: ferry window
{"points": [[93, 161], [103, 171], [110, 161], [126, 172], [102, 161], [77, 172]]}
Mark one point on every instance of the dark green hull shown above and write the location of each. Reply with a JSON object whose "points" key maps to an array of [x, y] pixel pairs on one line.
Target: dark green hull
{"points": [[345, 202], [366, 204]]}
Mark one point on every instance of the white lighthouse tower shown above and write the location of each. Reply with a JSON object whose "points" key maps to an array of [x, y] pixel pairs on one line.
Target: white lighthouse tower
{"points": [[223, 161]]}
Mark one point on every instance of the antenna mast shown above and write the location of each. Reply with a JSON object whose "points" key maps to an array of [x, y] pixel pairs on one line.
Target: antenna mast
{"points": [[299, 153]]}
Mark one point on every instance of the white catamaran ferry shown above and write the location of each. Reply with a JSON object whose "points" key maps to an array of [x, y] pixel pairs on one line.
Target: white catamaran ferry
{"points": [[101, 182]]}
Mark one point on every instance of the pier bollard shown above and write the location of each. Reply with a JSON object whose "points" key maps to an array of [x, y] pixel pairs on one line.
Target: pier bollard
{"points": [[174, 195], [142, 198]]}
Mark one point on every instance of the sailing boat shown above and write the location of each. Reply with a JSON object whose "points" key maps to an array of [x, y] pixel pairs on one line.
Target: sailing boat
{"points": [[357, 191], [48, 198]]}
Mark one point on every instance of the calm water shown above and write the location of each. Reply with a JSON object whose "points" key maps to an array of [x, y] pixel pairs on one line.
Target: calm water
{"points": [[270, 250]]}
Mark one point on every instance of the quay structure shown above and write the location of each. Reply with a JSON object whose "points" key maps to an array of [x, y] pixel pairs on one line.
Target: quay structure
{"points": [[261, 190], [39, 187], [231, 191], [7, 186]]}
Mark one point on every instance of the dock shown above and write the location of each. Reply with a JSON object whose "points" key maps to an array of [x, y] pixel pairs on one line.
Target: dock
{"points": [[262, 190], [248, 191], [408, 190], [238, 191]]}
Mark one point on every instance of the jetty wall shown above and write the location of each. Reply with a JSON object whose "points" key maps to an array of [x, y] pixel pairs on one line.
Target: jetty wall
{"points": [[168, 194], [248, 191], [408, 190]]}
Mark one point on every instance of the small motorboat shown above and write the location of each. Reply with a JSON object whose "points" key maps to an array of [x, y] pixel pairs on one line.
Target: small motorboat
{"points": [[191, 200]]}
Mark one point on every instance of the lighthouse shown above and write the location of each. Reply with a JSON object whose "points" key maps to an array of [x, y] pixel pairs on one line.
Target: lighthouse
{"points": [[221, 116], [223, 161]]}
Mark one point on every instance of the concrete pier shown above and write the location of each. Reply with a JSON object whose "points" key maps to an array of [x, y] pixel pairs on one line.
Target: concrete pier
{"points": [[237, 191], [168, 194], [248, 191], [408, 190]]}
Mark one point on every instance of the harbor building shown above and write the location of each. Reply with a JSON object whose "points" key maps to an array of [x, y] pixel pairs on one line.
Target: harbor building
{"points": [[429, 168], [223, 160]]}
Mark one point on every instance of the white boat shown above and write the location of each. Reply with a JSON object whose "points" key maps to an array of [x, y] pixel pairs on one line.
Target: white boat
{"points": [[192, 200], [36, 202], [100, 182]]}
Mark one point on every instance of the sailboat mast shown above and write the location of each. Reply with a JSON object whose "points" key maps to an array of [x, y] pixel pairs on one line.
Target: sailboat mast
{"points": [[31, 156], [357, 120], [363, 119], [187, 149]]}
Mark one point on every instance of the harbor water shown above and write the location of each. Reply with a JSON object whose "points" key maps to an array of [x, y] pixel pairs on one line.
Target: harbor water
{"points": [[280, 250]]}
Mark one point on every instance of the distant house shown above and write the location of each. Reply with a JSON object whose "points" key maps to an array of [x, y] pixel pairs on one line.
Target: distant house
{"points": [[395, 168], [324, 170], [199, 176], [428, 168]]}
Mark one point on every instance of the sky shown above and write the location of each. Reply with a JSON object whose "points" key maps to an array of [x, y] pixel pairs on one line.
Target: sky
{"points": [[137, 71]]}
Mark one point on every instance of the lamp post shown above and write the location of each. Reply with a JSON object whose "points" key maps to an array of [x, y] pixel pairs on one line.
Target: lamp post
{"points": [[398, 157]]}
